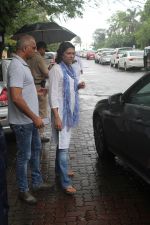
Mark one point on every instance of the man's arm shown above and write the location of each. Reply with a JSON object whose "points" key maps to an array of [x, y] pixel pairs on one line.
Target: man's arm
{"points": [[16, 95]]}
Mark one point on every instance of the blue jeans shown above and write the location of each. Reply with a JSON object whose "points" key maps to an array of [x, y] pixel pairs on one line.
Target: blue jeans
{"points": [[29, 151], [61, 167]]}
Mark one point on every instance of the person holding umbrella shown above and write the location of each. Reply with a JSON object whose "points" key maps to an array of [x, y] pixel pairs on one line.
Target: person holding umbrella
{"points": [[39, 72], [64, 103]]}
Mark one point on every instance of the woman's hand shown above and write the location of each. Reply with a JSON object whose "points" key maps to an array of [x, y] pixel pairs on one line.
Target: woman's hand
{"points": [[58, 123], [81, 85]]}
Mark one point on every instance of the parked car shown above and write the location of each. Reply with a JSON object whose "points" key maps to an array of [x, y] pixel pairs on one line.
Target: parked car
{"points": [[146, 58], [4, 63], [131, 59], [98, 53], [90, 55], [105, 57], [118, 52], [121, 126]]}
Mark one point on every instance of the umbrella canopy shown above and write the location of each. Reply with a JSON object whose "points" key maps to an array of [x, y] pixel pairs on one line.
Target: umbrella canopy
{"points": [[49, 32]]}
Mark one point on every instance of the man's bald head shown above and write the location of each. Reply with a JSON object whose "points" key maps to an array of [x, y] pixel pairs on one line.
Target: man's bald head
{"points": [[26, 47], [24, 41]]}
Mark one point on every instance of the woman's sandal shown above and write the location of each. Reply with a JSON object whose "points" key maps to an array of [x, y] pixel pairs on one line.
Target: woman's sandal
{"points": [[71, 174], [70, 190]]}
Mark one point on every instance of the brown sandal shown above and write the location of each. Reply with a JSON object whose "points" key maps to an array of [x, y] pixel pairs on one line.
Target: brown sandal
{"points": [[70, 190], [71, 174]]}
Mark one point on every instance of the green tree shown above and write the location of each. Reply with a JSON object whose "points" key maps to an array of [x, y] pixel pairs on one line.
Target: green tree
{"points": [[99, 38], [143, 32], [15, 13], [77, 41], [122, 28]]}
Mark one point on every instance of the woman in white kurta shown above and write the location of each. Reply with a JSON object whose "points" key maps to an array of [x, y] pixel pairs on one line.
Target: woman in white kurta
{"points": [[63, 98]]}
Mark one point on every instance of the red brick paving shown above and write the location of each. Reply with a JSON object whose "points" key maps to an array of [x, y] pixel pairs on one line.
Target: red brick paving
{"points": [[107, 194]]}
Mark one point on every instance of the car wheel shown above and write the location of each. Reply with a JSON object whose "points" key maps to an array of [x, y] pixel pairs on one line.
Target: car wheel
{"points": [[100, 143], [116, 65]]}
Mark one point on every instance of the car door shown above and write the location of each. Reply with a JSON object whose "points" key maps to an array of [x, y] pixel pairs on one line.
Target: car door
{"points": [[137, 124], [121, 61], [114, 129]]}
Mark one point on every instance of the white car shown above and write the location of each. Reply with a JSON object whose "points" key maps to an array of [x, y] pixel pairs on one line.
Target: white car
{"points": [[118, 52], [131, 59]]}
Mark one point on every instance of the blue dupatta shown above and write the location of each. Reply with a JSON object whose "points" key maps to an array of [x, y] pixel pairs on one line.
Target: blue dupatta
{"points": [[70, 119]]}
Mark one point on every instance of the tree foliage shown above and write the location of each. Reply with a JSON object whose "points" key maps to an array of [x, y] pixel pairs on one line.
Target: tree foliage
{"points": [[121, 31], [77, 41], [143, 32], [99, 38], [16, 13], [11, 10]]}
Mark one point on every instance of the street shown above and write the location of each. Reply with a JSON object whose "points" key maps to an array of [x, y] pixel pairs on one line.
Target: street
{"points": [[108, 193], [103, 81]]}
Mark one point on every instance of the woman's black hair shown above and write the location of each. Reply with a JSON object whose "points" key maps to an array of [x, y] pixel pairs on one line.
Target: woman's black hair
{"points": [[62, 48]]}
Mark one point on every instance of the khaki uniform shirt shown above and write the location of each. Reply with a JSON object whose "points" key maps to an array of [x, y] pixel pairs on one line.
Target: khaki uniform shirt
{"points": [[39, 71], [38, 68]]}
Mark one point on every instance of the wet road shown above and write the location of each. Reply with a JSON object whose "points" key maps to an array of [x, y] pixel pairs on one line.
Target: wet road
{"points": [[108, 193], [103, 81]]}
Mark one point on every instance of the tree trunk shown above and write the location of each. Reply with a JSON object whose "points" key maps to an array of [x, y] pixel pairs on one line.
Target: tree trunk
{"points": [[1, 43]]}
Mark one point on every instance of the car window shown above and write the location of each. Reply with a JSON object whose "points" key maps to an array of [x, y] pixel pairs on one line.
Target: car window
{"points": [[124, 55], [136, 53], [142, 96]]}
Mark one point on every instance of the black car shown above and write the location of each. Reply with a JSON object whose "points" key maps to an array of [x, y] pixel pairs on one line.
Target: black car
{"points": [[122, 126]]}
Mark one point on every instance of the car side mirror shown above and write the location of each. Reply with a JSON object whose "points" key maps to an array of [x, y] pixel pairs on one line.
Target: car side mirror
{"points": [[115, 99]]}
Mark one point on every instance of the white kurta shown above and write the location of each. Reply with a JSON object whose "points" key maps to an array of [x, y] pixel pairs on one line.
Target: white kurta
{"points": [[62, 138]]}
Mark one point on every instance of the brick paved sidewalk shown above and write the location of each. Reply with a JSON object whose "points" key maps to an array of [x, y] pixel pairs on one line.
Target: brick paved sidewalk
{"points": [[106, 193]]}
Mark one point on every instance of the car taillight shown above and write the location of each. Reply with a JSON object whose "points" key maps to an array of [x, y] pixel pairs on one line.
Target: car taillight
{"points": [[3, 97], [131, 59]]}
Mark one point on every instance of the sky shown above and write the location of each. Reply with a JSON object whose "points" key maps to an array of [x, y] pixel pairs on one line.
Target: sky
{"points": [[94, 18]]}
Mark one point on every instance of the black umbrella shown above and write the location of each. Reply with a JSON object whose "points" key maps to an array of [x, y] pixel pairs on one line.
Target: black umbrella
{"points": [[49, 32]]}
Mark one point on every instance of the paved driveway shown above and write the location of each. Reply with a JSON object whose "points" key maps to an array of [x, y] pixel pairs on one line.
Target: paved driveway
{"points": [[107, 192]]}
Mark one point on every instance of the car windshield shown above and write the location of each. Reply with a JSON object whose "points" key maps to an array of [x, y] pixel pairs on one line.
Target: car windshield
{"points": [[137, 53], [121, 51], [49, 55], [107, 53]]}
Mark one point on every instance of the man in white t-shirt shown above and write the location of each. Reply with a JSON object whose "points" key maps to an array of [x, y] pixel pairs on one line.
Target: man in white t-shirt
{"points": [[77, 66]]}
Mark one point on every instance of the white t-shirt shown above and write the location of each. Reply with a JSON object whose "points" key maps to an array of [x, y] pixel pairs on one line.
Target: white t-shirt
{"points": [[77, 66]]}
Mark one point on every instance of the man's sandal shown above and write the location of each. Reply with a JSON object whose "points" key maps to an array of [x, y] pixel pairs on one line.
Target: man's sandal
{"points": [[70, 190]]}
